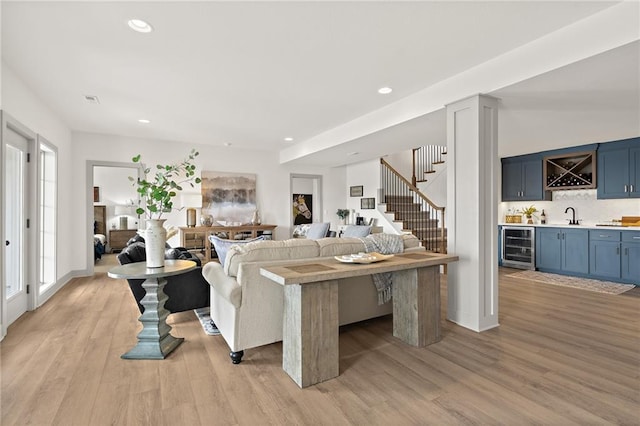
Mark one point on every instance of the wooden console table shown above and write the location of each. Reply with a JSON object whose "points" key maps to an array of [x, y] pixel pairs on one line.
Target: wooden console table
{"points": [[197, 238], [310, 330]]}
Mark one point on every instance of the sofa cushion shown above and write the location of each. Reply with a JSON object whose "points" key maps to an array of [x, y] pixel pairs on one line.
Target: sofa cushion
{"points": [[269, 250], [339, 246]]}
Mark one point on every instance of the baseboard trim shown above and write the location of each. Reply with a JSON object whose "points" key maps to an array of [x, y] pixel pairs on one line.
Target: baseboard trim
{"points": [[61, 282]]}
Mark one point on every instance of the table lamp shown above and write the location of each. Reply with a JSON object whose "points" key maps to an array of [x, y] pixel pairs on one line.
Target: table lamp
{"points": [[123, 212], [191, 201]]}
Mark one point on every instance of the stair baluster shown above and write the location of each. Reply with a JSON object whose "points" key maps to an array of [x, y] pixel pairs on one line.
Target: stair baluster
{"points": [[418, 214]]}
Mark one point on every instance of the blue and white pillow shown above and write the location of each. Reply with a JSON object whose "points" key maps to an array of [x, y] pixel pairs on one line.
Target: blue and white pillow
{"points": [[356, 231], [222, 246]]}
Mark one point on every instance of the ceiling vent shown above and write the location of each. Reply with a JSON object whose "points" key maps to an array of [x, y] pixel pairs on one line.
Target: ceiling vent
{"points": [[92, 99]]}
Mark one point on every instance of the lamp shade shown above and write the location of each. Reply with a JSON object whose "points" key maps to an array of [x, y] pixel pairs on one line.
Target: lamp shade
{"points": [[191, 199], [122, 210]]}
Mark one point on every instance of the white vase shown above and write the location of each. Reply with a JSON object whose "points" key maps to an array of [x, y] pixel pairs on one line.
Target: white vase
{"points": [[155, 238]]}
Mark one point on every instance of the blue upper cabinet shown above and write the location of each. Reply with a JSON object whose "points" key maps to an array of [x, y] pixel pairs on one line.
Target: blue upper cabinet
{"points": [[619, 169], [522, 179]]}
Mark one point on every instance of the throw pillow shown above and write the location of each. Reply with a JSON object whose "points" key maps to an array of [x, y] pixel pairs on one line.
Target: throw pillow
{"points": [[222, 246], [356, 231], [318, 230], [300, 231]]}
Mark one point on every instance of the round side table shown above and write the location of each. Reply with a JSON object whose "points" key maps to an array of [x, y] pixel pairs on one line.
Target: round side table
{"points": [[155, 340]]}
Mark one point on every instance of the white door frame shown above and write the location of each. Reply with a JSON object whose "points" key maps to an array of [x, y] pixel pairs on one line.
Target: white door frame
{"points": [[317, 197], [89, 198], [9, 123]]}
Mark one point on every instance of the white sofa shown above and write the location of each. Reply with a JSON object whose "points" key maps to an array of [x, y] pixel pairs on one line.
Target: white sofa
{"points": [[248, 308]]}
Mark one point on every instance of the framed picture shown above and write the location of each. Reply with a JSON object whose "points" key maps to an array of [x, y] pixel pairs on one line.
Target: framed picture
{"points": [[302, 209], [228, 197], [96, 194], [355, 191], [367, 203]]}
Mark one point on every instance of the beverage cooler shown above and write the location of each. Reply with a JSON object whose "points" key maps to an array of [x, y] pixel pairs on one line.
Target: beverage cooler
{"points": [[518, 247]]}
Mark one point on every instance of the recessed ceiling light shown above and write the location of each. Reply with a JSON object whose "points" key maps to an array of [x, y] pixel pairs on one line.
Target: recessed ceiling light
{"points": [[385, 90], [144, 121], [140, 26], [288, 139], [227, 144]]}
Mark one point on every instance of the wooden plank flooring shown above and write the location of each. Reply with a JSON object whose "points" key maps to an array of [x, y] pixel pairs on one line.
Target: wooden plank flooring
{"points": [[560, 357]]}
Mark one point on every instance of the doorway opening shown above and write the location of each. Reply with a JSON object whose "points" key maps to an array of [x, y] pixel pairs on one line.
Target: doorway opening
{"points": [[111, 203], [306, 199]]}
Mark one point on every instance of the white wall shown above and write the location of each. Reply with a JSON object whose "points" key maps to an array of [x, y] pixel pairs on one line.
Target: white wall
{"points": [[366, 174], [273, 179], [588, 208], [25, 106]]}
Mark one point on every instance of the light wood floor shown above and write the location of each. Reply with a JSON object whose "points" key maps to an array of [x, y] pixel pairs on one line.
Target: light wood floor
{"points": [[560, 357]]}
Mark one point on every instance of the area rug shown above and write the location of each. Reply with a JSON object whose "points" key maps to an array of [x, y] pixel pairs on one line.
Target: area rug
{"points": [[208, 325], [574, 282]]}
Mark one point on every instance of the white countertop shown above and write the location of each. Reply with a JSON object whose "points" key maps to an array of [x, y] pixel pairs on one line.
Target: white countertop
{"points": [[583, 226]]}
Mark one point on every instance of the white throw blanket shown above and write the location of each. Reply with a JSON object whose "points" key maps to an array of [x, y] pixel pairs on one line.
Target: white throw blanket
{"points": [[383, 244]]}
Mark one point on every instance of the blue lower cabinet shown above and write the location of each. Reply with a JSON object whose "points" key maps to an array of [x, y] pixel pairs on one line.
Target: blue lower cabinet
{"points": [[630, 250], [604, 259], [575, 251], [548, 248], [597, 253], [562, 250]]}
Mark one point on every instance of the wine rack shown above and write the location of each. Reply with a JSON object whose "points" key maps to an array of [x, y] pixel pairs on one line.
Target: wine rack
{"points": [[570, 171]]}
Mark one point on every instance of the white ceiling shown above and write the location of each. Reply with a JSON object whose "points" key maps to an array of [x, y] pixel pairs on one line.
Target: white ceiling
{"points": [[252, 73]]}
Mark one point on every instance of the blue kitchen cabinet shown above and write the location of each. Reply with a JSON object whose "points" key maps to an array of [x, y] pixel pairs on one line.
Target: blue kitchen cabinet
{"points": [[614, 255], [619, 169], [522, 179], [575, 251], [630, 249], [563, 250], [548, 248], [604, 253]]}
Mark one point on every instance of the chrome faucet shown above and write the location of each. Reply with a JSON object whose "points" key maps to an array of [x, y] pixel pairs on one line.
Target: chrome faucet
{"points": [[573, 220]]}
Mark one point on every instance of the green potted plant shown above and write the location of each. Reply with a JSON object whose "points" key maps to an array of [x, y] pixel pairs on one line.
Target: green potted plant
{"points": [[528, 212], [156, 191], [343, 214]]}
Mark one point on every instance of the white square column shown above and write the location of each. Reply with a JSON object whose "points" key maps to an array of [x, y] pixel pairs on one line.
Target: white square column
{"points": [[471, 214]]}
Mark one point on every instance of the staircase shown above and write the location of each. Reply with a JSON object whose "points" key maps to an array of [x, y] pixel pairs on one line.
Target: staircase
{"points": [[412, 211], [424, 158]]}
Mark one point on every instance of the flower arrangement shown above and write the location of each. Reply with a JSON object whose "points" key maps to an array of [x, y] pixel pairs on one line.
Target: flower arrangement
{"points": [[343, 213], [157, 191]]}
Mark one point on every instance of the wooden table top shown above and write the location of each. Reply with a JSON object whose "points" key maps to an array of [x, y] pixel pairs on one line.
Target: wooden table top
{"points": [[328, 268]]}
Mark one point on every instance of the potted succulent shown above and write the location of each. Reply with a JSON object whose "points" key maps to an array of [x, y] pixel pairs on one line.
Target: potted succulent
{"points": [[528, 212], [156, 191], [343, 214]]}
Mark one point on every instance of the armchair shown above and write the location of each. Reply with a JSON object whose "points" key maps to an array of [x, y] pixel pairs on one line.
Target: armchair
{"points": [[186, 291]]}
